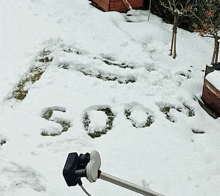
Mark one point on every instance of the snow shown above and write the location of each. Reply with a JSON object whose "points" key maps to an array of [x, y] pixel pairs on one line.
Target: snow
{"points": [[139, 117], [211, 77], [103, 60], [98, 121]]}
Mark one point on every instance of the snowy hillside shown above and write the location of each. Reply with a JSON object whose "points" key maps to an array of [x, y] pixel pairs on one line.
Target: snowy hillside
{"points": [[70, 72]]}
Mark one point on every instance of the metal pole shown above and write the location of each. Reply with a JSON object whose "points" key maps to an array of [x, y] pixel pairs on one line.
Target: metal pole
{"points": [[127, 185], [149, 11]]}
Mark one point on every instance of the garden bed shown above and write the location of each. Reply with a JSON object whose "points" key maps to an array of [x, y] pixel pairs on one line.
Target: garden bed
{"points": [[118, 5], [211, 91]]}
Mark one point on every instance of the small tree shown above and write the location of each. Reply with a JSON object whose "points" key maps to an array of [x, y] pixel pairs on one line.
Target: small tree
{"points": [[178, 8], [207, 22]]}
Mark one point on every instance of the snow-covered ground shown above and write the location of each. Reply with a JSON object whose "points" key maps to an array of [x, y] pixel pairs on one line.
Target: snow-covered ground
{"points": [[102, 72]]}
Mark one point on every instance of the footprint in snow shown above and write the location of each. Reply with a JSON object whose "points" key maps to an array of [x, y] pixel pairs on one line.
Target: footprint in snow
{"points": [[2, 140], [19, 176]]}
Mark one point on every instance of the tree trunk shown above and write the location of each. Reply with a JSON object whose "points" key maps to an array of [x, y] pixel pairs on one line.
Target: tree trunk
{"points": [[175, 33], [171, 49], [216, 51], [174, 52]]}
